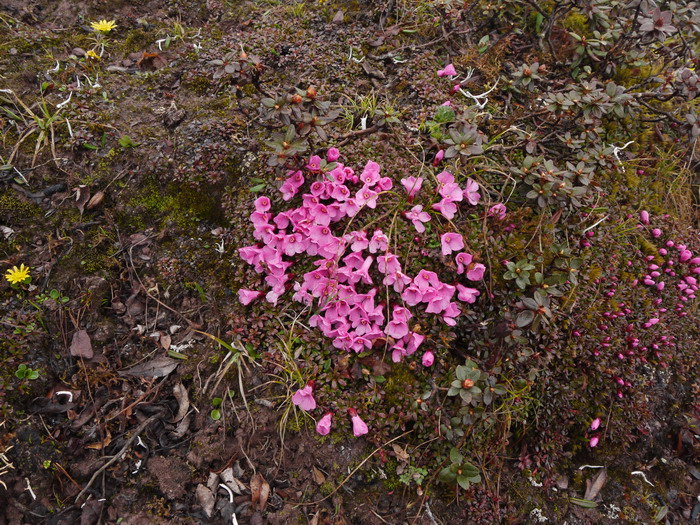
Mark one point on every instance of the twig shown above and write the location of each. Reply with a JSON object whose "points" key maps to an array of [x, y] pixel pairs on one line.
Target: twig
{"points": [[354, 134], [119, 454]]}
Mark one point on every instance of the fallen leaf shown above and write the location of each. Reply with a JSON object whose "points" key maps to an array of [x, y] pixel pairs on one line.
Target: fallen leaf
{"points": [[206, 499], [95, 201], [228, 479], [82, 195], [158, 367], [183, 401], [101, 444], [592, 489], [165, 341], [319, 477], [259, 491], [81, 346], [401, 454]]}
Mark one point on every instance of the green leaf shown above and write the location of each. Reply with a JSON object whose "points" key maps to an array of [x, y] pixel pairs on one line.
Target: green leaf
{"points": [[586, 503], [215, 414], [463, 482], [456, 456], [661, 514], [524, 318], [257, 188]]}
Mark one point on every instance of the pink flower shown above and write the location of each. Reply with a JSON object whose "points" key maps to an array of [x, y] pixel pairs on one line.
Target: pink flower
{"points": [[447, 208], [379, 242], [498, 211], [370, 175], [462, 259], [248, 296], [323, 426], [476, 272], [359, 427], [644, 216], [593, 442], [468, 295], [449, 71], [428, 358], [314, 163], [438, 157], [595, 424], [417, 216], [262, 204], [656, 233], [332, 155], [445, 177], [451, 242], [471, 192], [304, 398], [412, 185], [412, 295]]}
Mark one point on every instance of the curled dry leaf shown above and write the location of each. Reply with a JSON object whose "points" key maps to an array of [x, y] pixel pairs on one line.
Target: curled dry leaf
{"points": [[96, 200], [183, 401], [259, 491]]}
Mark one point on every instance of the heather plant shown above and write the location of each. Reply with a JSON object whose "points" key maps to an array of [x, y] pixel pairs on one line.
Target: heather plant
{"points": [[509, 262]]}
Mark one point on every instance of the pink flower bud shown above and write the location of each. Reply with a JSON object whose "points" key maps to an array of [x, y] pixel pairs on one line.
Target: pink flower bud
{"points": [[428, 358], [595, 423], [594, 441], [323, 426]]}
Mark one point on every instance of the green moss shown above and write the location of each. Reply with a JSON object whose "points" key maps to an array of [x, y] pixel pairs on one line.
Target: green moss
{"points": [[136, 40], [177, 205], [577, 22], [199, 84], [396, 383], [16, 209]]}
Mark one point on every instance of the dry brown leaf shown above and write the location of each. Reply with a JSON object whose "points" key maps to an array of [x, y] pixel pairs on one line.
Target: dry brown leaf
{"points": [[592, 489], [101, 444], [401, 454], [81, 346], [183, 401], [165, 341], [319, 477], [206, 499], [259, 491], [158, 367], [82, 195]]}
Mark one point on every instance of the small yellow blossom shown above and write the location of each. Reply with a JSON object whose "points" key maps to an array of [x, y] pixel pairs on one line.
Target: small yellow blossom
{"points": [[103, 26], [17, 275], [92, 55]]}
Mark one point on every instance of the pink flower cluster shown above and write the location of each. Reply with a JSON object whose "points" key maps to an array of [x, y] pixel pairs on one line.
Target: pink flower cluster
{"points": [[671, 279], [350, 266]]}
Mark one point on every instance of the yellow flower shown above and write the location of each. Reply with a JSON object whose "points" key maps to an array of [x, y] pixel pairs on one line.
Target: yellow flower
{"points": [[17, 275], [103, 26], [91, 54]]}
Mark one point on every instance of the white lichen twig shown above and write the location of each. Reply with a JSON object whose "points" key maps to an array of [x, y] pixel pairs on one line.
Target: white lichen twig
{"points": [[644, 477], [482, 98], [618, 149]]}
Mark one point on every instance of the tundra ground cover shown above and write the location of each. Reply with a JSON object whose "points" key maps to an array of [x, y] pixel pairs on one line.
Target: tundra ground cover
{"points": [[347, 262]]}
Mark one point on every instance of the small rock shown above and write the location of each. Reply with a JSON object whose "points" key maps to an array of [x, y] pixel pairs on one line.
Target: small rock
{"points": [[116, 69], [339, 17], [79, 52]]}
